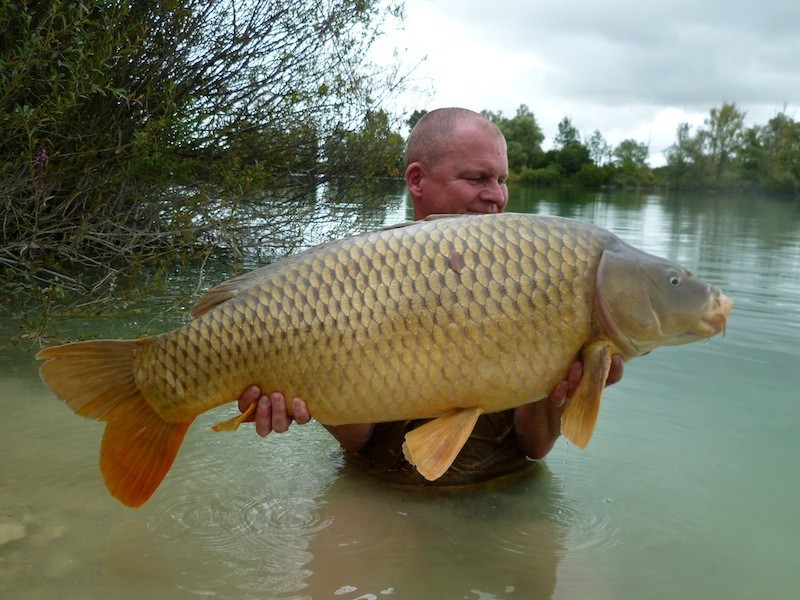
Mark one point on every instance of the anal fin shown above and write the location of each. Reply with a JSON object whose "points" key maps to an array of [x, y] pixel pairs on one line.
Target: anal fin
{"points": [[433, 447], [233, 424], [580, 416]]}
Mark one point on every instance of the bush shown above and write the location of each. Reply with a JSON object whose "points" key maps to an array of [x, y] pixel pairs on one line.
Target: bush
{"points": [[545, 176], [127, 125], [592, 176]]}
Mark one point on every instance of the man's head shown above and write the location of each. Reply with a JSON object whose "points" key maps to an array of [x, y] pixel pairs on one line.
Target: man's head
{"points": [[456, 162]]}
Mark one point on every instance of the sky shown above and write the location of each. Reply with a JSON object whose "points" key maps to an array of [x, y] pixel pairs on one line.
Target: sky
{"points": [[628, 68]]}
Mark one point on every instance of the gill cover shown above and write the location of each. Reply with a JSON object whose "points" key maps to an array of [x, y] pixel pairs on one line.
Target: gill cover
{"points": [[645, 301]]}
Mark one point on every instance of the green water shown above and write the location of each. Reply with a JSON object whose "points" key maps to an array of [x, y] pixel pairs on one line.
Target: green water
{"points": [[689, 488]]}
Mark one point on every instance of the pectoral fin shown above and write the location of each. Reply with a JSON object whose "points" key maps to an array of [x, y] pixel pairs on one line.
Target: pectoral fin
{"points": [[580, 416], [433, 447]]}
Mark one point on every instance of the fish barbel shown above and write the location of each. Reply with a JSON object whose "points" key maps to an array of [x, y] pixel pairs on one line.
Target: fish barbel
{"points": [[445, 318]]}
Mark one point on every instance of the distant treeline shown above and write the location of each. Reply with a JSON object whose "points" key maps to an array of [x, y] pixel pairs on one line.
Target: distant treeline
{"points": [[722, 154]]}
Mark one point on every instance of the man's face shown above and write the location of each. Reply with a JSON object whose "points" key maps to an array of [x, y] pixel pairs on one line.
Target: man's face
{"points": [[469, 177]]}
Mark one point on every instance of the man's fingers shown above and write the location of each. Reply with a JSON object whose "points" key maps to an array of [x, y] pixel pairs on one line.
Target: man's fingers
{"points": [[263, 416], [615, 372], [300, 410], [249, 396], [574, 377], [280, 418], [271, 413], [559, 394]]}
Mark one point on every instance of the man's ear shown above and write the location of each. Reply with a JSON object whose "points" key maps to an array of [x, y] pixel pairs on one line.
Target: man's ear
{"points": [[415, 173]]}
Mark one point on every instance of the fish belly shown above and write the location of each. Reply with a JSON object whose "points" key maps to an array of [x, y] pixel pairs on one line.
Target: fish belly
{"points": [[402, 323]]}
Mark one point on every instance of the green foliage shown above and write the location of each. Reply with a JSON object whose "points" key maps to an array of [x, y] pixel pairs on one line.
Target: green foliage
{"points": [[600, 150], [524, 138], [567, 134], [372, 150], [721, 137], [630, 158], [544, 176], [721, 154], [725, 154], [593, 176], [572, 158], [131, 132]]}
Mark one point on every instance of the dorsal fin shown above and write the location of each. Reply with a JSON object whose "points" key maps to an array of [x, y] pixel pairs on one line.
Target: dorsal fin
{"points": [[228, 289], [402, 224], [232, 287]]}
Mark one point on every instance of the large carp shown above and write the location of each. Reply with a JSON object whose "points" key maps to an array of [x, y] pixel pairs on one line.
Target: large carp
{"points": [[447, 318]]}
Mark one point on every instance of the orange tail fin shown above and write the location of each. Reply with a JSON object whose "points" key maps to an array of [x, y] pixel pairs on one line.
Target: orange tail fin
{"points": [[96, 380]]}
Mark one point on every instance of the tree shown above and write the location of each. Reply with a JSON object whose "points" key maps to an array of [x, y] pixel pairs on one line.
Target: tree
{"points": [[567, 134], [770, 155], [569, 153], [722, 136], [356, 147], [781, 140], [524, 137], [110, 109], [599, 148], [572, 157], [630, 158], [685, 159]]}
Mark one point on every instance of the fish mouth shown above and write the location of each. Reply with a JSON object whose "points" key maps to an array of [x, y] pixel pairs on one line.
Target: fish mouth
{"points": [[715, 318]]}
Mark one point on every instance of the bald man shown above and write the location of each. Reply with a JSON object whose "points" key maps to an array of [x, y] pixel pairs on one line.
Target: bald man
{"points": [[455, 163]]}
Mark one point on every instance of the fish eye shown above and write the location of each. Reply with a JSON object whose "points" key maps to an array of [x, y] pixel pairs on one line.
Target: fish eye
{"points": [[674, 278]]}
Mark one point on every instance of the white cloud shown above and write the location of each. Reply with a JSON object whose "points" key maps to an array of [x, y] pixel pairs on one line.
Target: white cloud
{"points": [[629, 69]]}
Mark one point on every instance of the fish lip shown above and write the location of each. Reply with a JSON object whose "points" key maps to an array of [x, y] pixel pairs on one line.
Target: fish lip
{"points": [[711, 325], [716, 318]]}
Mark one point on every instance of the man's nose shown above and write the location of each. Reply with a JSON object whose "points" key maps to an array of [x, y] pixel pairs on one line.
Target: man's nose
{"points": [[495, 192]]}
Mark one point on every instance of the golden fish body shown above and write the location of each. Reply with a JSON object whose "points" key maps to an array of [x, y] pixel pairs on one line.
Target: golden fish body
{"points": [[451, 316], [387, 326]]}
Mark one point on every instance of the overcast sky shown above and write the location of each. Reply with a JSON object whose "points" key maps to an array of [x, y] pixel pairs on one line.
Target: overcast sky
{"points": [[630, 68]]}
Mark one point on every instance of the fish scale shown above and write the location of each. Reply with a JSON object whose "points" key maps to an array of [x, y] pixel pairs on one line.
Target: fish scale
{"points": [[445, 318], [422, 322]]}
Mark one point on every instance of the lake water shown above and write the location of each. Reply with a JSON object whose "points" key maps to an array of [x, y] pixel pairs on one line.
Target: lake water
{"points": [[689, 488]]}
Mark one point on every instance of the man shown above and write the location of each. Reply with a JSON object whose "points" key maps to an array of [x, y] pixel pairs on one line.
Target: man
{"points": [[456, 163]]}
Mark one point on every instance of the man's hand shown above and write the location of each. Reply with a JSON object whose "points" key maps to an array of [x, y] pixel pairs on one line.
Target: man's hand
{"points": [[271, 414], [566, 388], [538, 425]]}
